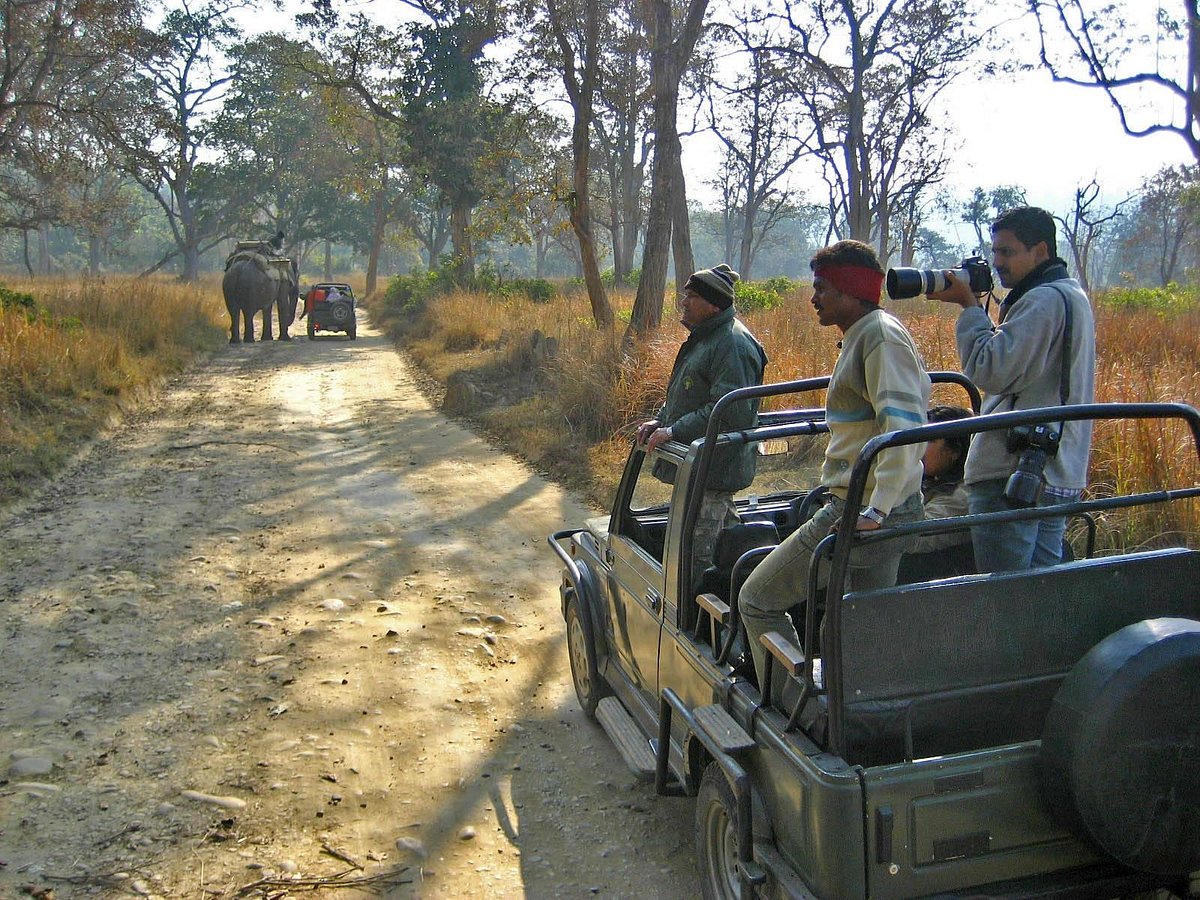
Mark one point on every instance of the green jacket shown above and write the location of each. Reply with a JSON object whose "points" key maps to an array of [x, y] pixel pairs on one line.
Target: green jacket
{"points": [[719, 356]]}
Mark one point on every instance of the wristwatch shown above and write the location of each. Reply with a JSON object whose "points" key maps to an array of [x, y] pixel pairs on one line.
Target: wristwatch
{"points": [[873, 514]]}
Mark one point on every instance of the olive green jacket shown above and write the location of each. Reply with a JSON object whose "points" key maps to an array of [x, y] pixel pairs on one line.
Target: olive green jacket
{"points": [[720, 355]]}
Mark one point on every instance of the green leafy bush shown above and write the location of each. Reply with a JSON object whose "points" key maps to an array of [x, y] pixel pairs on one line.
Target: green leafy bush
{"points": [[409, 293], [769, 294], [539, 290], [1170, 298], [17, 300]]}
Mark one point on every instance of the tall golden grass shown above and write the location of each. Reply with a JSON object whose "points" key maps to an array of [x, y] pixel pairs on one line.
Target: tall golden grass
{"points": [[88, 347], [593, 393]]}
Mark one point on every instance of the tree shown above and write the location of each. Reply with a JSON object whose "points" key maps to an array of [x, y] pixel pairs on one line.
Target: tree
{"points": [[1165, 223], [1104, 50], [579, 66], [61, 58], [429, 80], [867, 74], [1083, 227], [289, 152], [173, 99], [623, 130], [671, 45], [984, 206], [763, 139]]}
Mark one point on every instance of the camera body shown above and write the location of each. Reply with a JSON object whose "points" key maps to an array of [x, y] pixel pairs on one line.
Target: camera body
{"points": [[1036, 444], [905, 283]]}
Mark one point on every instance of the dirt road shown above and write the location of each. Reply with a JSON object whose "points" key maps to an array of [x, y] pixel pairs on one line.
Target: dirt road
{"points": [[291, 622]]}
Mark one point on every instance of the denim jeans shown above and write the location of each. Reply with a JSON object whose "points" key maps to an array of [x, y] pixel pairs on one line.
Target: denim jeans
{"points": [[1010, 546], [781, 579]]}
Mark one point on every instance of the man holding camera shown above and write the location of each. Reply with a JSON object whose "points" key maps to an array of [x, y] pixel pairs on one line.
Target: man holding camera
{"points": [[1041, 353]]}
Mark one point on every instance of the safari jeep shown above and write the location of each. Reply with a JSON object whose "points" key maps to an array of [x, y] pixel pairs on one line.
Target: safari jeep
{"points": [[1019, 734], [336, 316]]}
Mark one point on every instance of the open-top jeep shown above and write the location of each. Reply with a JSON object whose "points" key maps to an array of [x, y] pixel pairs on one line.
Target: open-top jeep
{"points": [[329, 311], [1016, 734]]}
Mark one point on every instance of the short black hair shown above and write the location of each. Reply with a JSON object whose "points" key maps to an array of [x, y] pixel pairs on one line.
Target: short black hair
{"points": [[846, 253], [960, 444], [1031, 225]]}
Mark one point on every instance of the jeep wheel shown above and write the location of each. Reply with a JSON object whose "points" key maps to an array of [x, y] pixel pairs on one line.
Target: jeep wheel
{"points": [[1120, 754], [340, 314], [590, 687], [352, 330], [716, 836]]}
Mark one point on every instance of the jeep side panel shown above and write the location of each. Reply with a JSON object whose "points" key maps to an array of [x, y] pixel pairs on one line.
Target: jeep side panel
{"points": [[944, 823]]}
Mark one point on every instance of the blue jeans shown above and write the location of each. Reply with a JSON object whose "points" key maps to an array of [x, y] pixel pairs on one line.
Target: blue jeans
{"points": [[1010, 546]]}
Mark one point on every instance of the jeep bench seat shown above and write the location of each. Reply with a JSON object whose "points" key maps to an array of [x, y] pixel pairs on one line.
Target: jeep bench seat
{"points": [[974, 661]]}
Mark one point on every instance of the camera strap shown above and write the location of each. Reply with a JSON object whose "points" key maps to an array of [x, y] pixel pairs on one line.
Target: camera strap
{"points": [[1064, 378]]}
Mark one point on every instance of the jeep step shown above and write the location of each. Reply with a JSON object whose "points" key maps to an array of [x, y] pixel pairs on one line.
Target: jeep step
{"points": [[629, 740], [726, 733]]}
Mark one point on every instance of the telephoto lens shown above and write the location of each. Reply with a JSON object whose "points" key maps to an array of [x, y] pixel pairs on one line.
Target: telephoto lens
{"points": [[904, 283]]}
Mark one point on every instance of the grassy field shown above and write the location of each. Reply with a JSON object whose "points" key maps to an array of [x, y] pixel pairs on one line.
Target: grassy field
{"points": [[72, 353], [554, 388], [575, 416]]}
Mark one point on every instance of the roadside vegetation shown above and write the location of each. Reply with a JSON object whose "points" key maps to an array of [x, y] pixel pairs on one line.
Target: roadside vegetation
{"points": [[566, 396], [73, 353]]}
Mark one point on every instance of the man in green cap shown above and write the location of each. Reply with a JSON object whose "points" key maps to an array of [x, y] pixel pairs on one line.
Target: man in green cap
{"points": [[719, 355]]}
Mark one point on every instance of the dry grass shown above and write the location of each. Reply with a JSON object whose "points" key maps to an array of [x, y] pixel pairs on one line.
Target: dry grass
{"points": [[91, 346], [579, 420]]}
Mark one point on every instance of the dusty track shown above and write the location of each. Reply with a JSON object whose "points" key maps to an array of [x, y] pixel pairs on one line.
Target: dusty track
{"points": [[290, 623]]}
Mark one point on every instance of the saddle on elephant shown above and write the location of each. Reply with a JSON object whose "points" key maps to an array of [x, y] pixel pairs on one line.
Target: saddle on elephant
{"points": [[261, 253]]}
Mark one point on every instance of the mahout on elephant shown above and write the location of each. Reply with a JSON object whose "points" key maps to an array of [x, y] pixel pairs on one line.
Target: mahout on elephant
{"points": [[257, 278]]}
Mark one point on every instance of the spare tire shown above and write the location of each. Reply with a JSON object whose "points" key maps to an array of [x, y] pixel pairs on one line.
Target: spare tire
{"points": [[1120, 753], [340, 313]]}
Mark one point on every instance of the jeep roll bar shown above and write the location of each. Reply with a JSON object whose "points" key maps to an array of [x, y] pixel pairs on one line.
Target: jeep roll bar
{"points": [[814, 417], [835, 590]]}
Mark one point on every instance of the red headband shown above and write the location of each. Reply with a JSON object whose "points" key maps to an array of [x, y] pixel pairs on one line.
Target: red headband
{"points": [[857, 281]]}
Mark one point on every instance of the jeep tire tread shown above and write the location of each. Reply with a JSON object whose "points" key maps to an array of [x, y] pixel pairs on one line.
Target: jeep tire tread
{"points": [[1120, 752], [590, 687], [716, 836]]}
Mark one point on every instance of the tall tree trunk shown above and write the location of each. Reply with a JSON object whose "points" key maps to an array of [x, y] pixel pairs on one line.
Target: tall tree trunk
{"points": [[460, 242], [746, 248], [94, 247], [681, 229], [668, 58], [328, 260], [25, 251], [580, 71], [379, 207], [43, 246]]}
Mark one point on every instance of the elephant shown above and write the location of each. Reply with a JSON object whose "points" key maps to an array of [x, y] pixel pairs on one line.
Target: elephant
{"points": [[256, 279]]}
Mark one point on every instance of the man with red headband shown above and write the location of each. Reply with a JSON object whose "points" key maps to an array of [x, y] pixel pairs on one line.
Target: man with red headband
{"points": [[720, 355], [879, 384]]}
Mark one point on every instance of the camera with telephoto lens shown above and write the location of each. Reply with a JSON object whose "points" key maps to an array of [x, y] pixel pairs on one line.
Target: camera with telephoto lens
{"points": [[1036, 444], [905, 283]]}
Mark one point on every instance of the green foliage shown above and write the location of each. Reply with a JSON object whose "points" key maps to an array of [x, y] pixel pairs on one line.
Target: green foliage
{"points": [[539, 290], [1172, 298], [609, 277], [409, 293], [767, 294], [17, 300]]}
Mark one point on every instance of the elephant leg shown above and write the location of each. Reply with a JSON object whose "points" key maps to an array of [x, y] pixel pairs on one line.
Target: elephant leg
{"points": [[248, 326], [233, 327], [268, 325], [283, 324]]}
